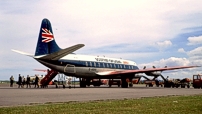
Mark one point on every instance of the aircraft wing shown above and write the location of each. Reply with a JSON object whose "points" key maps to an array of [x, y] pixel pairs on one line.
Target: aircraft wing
{"points": [[61, 53], [142, 70]]}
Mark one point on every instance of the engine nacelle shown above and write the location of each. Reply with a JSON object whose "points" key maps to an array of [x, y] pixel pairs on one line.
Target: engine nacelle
{"points": [[154, 73]]}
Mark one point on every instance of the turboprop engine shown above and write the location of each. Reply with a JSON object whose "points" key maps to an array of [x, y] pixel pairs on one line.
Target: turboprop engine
{"points": [[154, 73]]}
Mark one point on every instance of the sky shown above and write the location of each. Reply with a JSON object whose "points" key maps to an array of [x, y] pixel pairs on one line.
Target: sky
{"points": [[151, 33]]}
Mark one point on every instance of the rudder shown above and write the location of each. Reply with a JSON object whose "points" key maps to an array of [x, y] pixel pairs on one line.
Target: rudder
{"points": [[46, 43]]}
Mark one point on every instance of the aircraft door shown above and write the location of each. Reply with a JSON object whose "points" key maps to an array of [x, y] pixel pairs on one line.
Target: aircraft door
{"points": [[70, 68]]}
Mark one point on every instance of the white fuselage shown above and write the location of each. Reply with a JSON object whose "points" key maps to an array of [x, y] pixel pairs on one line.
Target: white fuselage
{"points": [[87, 66]]}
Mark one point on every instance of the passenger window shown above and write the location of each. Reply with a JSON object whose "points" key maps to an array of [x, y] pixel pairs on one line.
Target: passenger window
{"points": [[94, 64], [86, 63], [107, 65], [120, 66], [103, 65], [90, 64], [116, 65], [111, 65], [127, 67]]}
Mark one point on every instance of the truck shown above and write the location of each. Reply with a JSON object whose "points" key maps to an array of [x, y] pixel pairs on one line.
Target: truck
{"points": [[118, 82], [151, 83], [94, 82], [197, 81], [178, 83], [114, 82]]}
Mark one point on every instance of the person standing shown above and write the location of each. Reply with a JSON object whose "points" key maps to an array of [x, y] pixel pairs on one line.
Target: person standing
{"points": [[69, 82], [23, 81], [11, 81], [28, 81], [36, 82], [19, 81]]}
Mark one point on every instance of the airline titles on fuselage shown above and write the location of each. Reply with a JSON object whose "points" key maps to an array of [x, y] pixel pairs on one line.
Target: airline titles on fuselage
{"points": [[108, 60]]}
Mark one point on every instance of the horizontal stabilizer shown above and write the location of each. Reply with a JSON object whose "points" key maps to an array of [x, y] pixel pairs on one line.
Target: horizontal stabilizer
{"points": [[23, 53], [61, 53]]}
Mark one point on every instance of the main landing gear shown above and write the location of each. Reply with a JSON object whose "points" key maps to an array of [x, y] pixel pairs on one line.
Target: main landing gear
{"points": [[86, 82], [82, 82], [124, 83]]}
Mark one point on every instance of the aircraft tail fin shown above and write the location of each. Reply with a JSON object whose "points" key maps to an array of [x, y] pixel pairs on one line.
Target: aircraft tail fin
{"points": [[46, 43]]}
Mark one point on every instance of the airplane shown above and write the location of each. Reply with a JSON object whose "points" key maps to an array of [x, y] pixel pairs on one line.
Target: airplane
{"points": [[85, 67]]}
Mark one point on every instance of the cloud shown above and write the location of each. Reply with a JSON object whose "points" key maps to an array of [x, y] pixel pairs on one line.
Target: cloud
{"points": [[195, 52], [162, 45], [181, 50], [194, 58], [195, 40], [130, 25], [172, 61]]}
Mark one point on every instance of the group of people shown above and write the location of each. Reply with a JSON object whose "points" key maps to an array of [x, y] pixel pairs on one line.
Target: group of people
{"points": [[22, 81]]}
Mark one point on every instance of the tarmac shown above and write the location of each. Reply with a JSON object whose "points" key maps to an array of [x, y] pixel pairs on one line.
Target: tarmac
{"points": [[14, 96]]}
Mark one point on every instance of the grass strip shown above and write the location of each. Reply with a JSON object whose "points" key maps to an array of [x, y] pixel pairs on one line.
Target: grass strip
{"points": [[155, 105]]}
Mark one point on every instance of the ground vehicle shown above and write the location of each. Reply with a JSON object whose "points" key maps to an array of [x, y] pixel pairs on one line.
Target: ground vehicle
{"points": [[197, 81], [151, 83], [114, 82], [178, 83], [118, 82], [96, 82]]}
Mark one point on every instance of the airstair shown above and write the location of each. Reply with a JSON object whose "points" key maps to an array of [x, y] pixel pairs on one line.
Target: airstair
{"points": [[48, 78]]}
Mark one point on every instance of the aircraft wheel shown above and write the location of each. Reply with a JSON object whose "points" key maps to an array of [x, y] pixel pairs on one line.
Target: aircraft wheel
{"points": [[63, 86], [130, 85], [82, 84], [124, 84]]}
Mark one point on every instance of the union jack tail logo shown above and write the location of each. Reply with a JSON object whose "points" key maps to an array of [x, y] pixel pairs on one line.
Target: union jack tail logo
{"points": [[47, 35]]}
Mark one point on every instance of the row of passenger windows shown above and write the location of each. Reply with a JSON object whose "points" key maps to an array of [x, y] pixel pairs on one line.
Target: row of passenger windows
{"points": [[108, 65]]}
